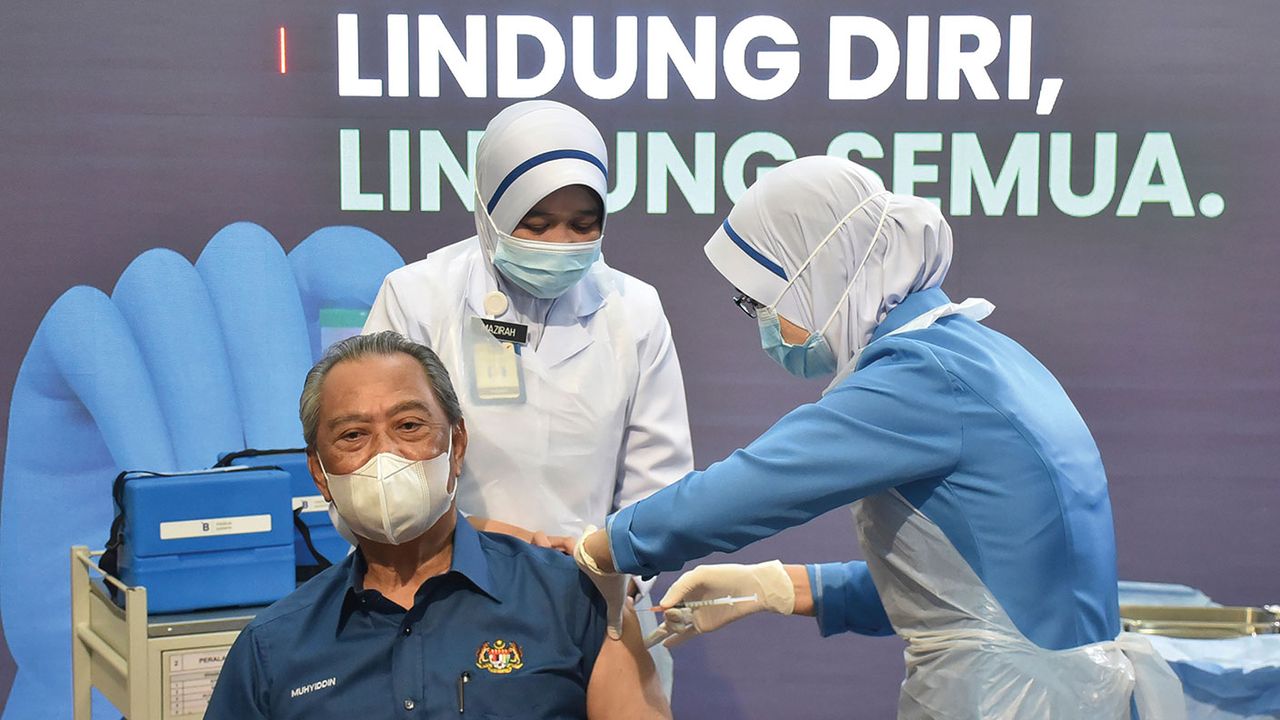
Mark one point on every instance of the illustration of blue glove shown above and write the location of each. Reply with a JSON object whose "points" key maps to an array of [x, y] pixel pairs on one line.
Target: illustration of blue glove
{"points": [[181, 363]]}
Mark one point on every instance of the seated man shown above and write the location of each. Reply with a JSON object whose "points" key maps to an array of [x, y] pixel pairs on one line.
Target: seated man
{"points": [[428, 617]]}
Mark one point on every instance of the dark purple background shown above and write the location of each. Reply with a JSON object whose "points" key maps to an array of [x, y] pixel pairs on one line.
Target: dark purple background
{"points": [[131, 125]]}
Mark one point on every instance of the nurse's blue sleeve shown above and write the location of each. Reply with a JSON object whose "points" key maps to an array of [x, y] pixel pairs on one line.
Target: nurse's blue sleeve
{"points": [[846, 600], [241, 692], [892, 422]]}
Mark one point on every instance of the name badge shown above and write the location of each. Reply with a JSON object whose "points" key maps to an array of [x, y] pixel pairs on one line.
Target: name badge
{"points": [[493, 363], [507, 332], [496, 372]]}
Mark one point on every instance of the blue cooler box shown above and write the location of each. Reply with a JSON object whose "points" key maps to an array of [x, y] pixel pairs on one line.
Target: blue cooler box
{"points": [[211, 538], [314, 511]]}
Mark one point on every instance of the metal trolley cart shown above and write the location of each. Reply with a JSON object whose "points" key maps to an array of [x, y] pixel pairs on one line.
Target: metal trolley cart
{"points": [[160, 667], [1200, 622]]}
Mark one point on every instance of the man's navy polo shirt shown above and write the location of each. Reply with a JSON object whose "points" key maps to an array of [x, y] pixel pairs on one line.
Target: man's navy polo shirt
{"points": [[517, 627]]}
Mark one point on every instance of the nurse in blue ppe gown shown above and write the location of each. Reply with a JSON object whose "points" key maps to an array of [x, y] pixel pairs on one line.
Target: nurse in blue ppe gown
{"points": [[977, 492]]}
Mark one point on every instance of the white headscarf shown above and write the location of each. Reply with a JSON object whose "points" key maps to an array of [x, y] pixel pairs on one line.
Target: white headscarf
{"points": [[783, 218], [530, 150]]}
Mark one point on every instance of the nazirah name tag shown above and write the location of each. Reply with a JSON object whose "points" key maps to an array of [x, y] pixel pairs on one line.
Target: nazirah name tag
{"points": [[494, 364], [507, 332], [496, 371]]}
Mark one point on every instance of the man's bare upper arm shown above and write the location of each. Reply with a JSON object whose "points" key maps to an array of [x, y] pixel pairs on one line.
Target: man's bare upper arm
{"points": [[624, 684]]}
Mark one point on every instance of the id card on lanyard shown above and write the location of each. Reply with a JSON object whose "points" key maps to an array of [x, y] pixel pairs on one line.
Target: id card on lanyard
{"points": [[493, 359]]}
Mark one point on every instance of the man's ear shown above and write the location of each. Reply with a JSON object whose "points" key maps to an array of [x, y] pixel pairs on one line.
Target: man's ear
{"points": [[317, 474], [459, 449]]}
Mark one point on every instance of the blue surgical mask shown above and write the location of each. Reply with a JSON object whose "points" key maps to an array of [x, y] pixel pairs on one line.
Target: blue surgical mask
{"points": [[812, 359], [542, 269]]}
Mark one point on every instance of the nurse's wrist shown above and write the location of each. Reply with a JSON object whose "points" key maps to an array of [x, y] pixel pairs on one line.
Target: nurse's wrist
{"points": [[596, 545], [799, 575], [621, 553]]}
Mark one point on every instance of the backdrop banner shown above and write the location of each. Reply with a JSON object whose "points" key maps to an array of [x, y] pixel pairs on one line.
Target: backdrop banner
{"points": [[1105, 167]]}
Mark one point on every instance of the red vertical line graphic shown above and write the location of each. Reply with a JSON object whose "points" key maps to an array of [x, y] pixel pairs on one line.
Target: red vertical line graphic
{"points": [[283, 67]]}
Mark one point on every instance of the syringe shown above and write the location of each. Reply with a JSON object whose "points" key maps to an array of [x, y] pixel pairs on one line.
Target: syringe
{"points": [[726, 600]]}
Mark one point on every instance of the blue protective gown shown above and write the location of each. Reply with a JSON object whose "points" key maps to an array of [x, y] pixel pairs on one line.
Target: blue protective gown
{"points": [[970, 428]]}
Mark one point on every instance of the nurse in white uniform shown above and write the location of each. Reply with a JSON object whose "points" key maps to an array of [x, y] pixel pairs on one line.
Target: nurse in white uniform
{"points": [[565, 367]]}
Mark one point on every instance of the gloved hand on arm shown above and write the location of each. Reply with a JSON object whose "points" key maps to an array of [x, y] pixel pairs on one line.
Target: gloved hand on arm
{"points": [[777, 588], [593, 558]]}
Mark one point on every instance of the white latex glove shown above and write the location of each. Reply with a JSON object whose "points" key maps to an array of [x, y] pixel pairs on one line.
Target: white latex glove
{"points": [[768, 581], [613, 586]]}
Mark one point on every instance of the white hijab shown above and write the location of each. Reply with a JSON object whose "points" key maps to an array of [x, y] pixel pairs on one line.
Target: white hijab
{"points": [[784, 217], [530, 150]]}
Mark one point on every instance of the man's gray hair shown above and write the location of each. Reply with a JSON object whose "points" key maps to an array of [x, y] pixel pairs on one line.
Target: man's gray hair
{"points": [[387, 342]]}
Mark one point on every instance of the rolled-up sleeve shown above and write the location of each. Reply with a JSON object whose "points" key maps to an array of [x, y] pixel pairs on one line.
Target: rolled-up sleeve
{"points": [[846, 600], [242, 689], [894, 421]]}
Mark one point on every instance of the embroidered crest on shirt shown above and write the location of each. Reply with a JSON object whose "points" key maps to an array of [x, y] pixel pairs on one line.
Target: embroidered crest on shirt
{"points": [[499, 657]]}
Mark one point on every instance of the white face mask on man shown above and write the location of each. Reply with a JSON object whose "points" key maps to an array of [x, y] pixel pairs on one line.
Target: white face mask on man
{"points": [[391, 499]]}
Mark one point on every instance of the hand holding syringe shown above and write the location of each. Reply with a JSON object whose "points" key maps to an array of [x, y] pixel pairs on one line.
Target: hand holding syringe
{"points": [[679, 617], [709, 597]]}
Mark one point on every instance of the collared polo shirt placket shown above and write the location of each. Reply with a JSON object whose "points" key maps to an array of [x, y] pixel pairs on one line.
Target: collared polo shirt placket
{"points": [[406, 628], [412, 627]]}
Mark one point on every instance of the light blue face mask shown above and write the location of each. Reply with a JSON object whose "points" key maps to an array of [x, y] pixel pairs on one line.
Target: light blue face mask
{"points": [[813, 358], [542, 269]]}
